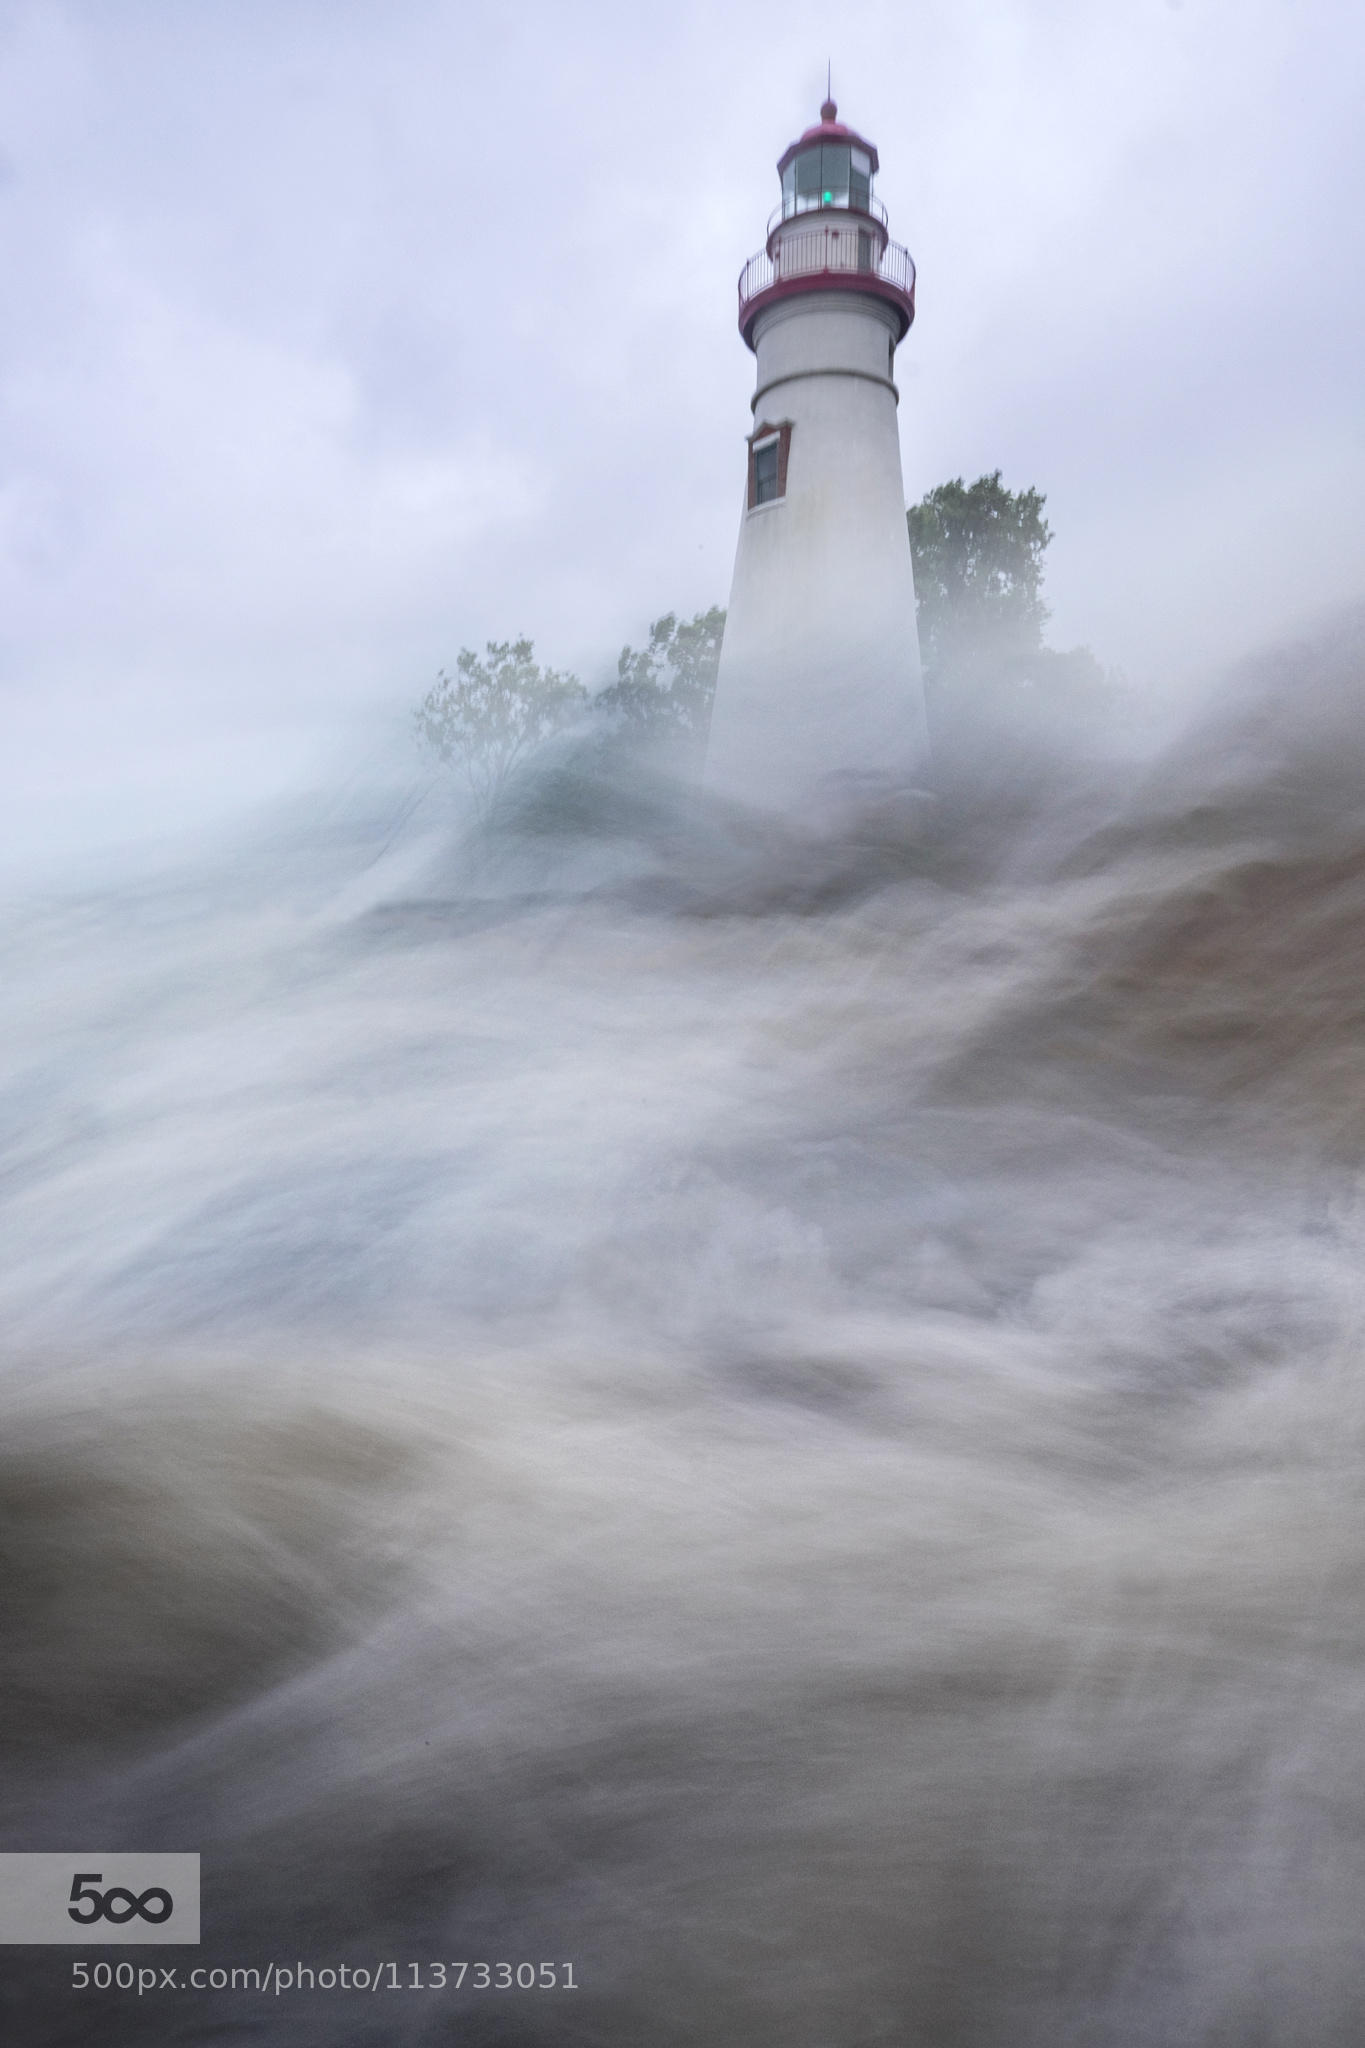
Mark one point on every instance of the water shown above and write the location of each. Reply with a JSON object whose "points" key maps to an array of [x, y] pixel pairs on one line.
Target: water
{"points": [[781, 1420]]}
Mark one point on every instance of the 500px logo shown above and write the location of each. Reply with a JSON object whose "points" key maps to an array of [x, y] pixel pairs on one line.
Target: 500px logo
{"points": [[118, 1903], [99, 1896]]}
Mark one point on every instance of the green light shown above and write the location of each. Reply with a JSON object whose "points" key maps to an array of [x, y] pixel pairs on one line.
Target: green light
{"points": [[829, 199]]}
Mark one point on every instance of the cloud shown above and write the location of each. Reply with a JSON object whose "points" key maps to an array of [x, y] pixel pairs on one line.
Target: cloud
{"points": [[344, 336]]}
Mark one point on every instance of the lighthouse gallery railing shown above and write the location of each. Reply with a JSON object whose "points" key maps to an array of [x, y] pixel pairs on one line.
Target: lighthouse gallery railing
{"points": [[826, 249]]}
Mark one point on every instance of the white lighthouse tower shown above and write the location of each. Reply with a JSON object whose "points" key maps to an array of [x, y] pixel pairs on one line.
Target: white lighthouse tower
{"points": [[819, 700]]}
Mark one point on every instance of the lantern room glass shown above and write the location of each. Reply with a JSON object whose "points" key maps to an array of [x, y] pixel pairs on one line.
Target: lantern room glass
{"points": [[830, 174]]}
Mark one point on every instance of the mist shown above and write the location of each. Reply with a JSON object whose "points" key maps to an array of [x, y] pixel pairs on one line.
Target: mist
{"points": [[777, 1417], [770, 1414]]}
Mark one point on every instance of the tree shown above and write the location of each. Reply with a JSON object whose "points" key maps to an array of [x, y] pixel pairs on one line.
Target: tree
{"points": [[492, 712], [665, 690], [978, 555]]}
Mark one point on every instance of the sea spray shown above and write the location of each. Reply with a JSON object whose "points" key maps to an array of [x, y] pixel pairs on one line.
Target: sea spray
{"points": [[777, 1418]]}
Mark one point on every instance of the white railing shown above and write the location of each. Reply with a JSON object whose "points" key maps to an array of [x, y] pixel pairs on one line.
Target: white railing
{"points": [[817, 251]]}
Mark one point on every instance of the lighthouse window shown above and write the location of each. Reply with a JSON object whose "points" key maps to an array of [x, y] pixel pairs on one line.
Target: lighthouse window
{"points": [[769, 448], [834, 175], [860, 180], [808, 185]]}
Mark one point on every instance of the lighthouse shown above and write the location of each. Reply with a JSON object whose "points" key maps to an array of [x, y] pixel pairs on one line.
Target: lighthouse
{"points": [[819, 701]]}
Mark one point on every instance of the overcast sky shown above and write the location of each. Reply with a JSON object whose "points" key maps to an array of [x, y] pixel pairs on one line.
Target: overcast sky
{"points": [[341, 333]]}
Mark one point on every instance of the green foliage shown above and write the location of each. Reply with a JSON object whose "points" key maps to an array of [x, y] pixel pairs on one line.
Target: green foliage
{"points": [[665, 690], [492, 712], [978, 556]]}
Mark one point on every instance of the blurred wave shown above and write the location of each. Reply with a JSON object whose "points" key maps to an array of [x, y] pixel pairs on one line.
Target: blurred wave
{"points": [[776, 1414]]}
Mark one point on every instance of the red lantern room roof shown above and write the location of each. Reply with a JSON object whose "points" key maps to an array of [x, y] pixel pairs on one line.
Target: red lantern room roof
{"points": [[829, 129]]}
